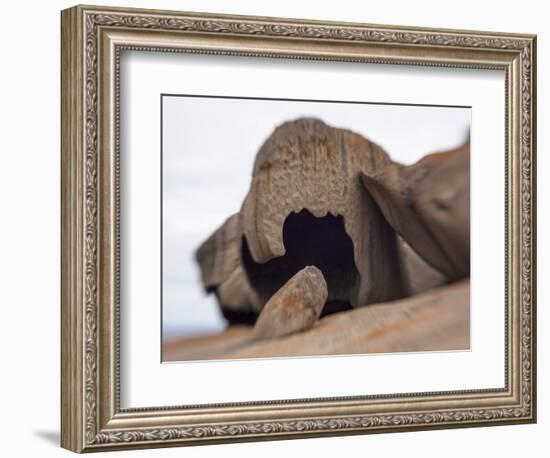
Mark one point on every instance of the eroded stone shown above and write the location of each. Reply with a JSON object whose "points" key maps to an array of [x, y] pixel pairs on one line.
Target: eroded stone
{"points": [[295, 307]]}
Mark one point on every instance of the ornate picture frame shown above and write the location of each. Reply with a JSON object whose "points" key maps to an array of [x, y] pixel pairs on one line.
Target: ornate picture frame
{"points": [[92, 41]]}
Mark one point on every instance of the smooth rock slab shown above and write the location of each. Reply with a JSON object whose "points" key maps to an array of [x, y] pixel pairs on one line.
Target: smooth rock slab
{"points": [[437, 320]]}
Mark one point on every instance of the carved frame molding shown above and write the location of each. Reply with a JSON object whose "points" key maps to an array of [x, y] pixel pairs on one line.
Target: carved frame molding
{"points": [[92, 39]]}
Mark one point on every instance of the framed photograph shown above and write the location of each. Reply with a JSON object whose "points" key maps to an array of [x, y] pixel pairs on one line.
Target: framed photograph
{"points": [[277, 228]]}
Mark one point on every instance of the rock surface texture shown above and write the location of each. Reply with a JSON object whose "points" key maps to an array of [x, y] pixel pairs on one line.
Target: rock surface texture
{"points": [[295, 307], [438, 319], [370, 229], [428, 204], [307, 176], [219, 258]]}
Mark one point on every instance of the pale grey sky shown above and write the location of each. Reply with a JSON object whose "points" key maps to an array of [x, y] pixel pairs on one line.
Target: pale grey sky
{"points": [[209, 145]]}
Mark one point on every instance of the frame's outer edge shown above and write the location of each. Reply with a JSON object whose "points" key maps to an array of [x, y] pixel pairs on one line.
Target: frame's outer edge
{"points": [[81, 430], [531, 111], [72, 229], [534, 220]]}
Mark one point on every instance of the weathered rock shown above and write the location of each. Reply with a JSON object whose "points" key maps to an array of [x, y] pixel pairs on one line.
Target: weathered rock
{"points": [[307, 176], [220, 254], [295, 307], [240, 303], [219, 259], [438, 320], [329, 197], [428, 204], [420, 275]]}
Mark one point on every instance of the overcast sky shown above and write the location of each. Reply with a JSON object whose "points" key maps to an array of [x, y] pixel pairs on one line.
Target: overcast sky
{"points": [[209, 145]]}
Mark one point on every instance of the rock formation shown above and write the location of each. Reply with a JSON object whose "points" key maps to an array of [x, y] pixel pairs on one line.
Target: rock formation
{"points": [[328, 197], [295, 307]]}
